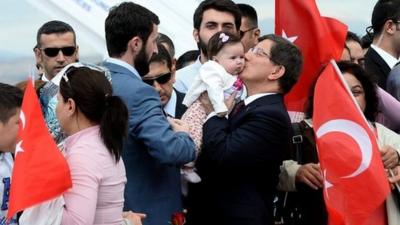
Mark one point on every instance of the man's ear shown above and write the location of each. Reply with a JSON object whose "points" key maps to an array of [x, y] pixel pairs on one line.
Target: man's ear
{"points": [[390, 27], [38, 55], [256, 34], [135, 44], [77, 53], [277, 73], [196, 35]]}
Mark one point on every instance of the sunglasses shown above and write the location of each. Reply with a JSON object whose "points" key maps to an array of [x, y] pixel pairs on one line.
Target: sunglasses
{"points": [[161, 79], [52, 52], [241, 33]]}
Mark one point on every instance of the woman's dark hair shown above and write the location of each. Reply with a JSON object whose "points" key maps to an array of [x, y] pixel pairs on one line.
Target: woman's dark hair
{"points": [[218, 41], [92, 93], [371, 97]]}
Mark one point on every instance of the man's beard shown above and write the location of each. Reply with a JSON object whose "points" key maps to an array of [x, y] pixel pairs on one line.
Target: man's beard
{"points": [[141, 62], [202, 46]]}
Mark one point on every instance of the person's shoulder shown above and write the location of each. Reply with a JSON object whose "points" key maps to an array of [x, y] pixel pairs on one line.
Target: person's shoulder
{"points": [[189, 70]]}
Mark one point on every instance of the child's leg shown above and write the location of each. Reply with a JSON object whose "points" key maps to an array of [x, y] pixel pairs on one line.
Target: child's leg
{"points": [[195, 116]]}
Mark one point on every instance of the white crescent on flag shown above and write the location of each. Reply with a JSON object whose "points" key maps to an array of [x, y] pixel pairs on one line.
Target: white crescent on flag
{"points": [[359, 135]]}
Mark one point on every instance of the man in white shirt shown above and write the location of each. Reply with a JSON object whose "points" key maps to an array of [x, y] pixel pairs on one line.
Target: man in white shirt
{"points": [[210, 17], [55, 48], [385, 48]]}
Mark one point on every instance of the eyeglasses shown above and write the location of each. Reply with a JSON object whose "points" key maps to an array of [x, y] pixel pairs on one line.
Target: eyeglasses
{"points": [[260, 52], [161, 79], [241, 33], [52, 52]]}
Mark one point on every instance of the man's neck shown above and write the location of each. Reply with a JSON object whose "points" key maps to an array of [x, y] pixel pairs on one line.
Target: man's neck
{"points": [[46, 77], [203, 57], [253, 89], [385, 44]]}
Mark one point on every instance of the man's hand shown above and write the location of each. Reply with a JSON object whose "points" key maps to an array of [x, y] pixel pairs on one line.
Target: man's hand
{"points": [[311, 175], [134, 218], [389, 157], [178, 125]]}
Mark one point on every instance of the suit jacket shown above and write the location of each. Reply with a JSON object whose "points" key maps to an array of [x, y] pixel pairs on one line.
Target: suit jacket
{"points": [[239, 165], [376, 66], [152, 151], [180, 108]]}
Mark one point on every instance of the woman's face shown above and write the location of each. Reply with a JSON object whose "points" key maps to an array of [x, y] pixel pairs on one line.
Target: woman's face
{"points": [[356, 88]]}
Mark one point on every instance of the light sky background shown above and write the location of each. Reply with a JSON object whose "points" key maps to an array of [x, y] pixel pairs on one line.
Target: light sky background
{"points": [[20, 20]]}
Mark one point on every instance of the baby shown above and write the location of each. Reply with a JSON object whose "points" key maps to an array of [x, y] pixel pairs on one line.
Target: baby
{"points": [[218, 77]]}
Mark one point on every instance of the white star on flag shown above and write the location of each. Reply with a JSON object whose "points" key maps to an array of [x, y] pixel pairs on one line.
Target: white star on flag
{"points": [[291, 39]]}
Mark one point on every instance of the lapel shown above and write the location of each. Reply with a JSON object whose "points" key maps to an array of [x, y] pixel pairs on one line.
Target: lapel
{"points": [[254, 106], [180, 108], [379, 65]]}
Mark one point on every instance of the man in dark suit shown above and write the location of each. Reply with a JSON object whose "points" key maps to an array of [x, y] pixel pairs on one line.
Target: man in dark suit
{"points": [[385, 48], [162, 77], [240, 159], [154, 150]]}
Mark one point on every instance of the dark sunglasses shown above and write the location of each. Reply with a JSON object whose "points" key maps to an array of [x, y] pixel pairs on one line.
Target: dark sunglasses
{"points": [[52, 52], [161, 79], [241, 33]]}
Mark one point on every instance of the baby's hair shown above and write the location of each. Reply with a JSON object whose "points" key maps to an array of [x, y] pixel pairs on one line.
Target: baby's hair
{"points": [[218, 41]]}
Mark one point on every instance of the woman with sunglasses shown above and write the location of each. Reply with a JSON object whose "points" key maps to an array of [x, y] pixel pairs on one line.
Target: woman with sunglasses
{"points": [[95, 122]]}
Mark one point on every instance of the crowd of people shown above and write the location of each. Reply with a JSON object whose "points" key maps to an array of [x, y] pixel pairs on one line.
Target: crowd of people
{"points": [[148, 136]]}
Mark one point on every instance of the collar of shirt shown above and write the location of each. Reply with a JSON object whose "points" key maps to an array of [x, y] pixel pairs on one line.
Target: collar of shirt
{"points": [[252, 98], [55, 80], [170, 107], [124, 64], [44, 78], [388, 58]]}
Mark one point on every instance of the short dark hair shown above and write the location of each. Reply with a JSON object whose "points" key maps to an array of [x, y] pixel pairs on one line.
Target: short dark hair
{"points": [[384, 10], [186, 58], [215, 44], [126, 21], [162, 56], [219, 5], [10, 101], [93, 96], [163, 38], [352, 37], [371, 97], [249, 12], [284, 53], [53, 27]]}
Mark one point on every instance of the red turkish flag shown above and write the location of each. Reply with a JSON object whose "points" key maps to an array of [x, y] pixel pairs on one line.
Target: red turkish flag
{"points": [[319, 38], [40, 170], [356, 184]]}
